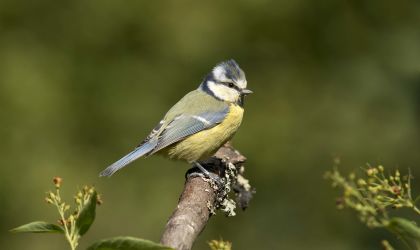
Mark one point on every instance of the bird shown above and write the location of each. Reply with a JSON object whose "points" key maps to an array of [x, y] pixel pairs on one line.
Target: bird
{"points": [[199, 123]]}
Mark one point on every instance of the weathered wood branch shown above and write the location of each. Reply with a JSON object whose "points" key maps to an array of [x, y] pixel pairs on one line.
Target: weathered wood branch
{"points": [[201, 197]]}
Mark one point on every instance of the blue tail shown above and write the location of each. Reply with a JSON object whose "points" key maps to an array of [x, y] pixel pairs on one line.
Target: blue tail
{"points": [[130, 157]]}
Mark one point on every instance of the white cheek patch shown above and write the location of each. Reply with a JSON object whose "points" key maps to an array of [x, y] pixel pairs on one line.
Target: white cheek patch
{"points": [[223, 92]]}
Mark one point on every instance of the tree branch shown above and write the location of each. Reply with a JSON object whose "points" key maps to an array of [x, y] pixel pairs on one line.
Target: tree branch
{"points": [[201, 197]]}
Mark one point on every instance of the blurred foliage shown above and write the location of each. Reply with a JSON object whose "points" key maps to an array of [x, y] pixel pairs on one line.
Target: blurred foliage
{"points": [[373, 195], [127, 243], [82, 82], [72, 224], [220, 245]]}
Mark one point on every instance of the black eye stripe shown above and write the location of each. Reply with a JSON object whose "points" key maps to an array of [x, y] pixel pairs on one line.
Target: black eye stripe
{"points": [[228, 84]]}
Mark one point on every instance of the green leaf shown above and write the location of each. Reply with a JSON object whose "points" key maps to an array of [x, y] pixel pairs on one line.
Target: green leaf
{"points": [[405, 227], [87, 215], [127, 243], [38, 227]]}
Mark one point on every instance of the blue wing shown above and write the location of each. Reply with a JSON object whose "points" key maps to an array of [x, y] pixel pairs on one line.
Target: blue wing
{"points": [[188, 124], [143, 149], [182, 126], [138, 152], [176, 126]]}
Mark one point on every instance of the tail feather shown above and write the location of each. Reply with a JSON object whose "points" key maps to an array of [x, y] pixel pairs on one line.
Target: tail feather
{"points": [[130, 157]]}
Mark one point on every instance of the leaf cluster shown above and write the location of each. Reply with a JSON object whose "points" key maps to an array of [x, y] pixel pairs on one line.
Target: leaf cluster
{"points": [[373, 195], [73, 225]]}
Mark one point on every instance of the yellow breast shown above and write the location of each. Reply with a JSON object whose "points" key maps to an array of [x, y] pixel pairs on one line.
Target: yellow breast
{"points": [[205, 143]]}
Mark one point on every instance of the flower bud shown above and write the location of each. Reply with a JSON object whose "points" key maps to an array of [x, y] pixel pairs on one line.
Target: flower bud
{"points": [[361, 182], [369, 172], [396, 190], [373, 190], [398, 206], [61, 222], [57, 181], [99, 200]]}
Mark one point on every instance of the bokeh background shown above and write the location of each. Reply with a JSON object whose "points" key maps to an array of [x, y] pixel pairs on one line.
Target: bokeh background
{"points": [[82, 82]]}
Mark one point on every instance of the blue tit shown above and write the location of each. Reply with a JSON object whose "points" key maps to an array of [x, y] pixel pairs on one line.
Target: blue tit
{"points": [[200, 123]]}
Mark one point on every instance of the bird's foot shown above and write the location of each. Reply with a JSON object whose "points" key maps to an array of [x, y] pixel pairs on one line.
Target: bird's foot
{"points": [[191, 174], [217, 180]]}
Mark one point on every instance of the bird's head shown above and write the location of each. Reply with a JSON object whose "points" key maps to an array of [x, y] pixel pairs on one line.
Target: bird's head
{"points": [[226, 82]]}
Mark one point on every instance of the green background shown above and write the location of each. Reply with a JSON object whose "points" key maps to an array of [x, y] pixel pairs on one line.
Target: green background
{"points": [[82, 82]]}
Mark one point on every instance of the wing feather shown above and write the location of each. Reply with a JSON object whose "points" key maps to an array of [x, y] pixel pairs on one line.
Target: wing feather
{"points": [[207, 113], [130, 157], [188, 124]]}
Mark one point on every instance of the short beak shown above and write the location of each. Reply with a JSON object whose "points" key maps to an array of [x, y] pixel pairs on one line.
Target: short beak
{"points": [[246, 92]]}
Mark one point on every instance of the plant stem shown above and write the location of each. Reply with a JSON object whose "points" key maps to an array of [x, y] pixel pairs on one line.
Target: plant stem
{"points": [[66, 230], [63, 219], [416, 210]]}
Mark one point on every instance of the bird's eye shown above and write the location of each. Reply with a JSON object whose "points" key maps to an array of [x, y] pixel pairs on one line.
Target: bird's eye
{"points": [[231, 85]]}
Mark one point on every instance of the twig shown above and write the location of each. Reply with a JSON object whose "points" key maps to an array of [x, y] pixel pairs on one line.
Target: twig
{"points": [[200, 198]]}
